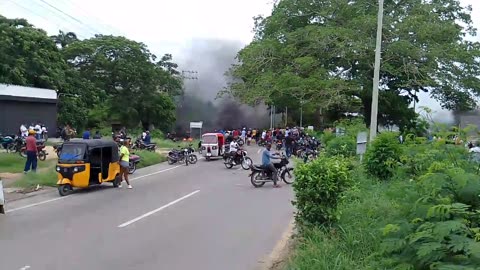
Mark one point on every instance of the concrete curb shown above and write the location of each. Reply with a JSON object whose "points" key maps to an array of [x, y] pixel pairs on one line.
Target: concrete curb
{"points": [[276, 259]]}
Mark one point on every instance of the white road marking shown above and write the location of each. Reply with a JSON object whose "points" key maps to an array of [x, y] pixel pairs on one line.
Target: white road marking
{"points": [[157, 210], [35, 204], [150, 174], [25, 267], [259, 150], [61, 198]]}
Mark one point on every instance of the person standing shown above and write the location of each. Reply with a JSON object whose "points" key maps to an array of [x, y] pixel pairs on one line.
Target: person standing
{"points": [[97, 135], [31, 145], [124, 163]]}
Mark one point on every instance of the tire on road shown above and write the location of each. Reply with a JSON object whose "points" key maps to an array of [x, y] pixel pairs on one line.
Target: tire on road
{"points": [[246, 163], [253, 180], [288, 174], [192, 159], [65, 190], [132, 167]]}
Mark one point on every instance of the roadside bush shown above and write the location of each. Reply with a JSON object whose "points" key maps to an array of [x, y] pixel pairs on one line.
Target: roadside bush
{"points": [[383, 156], [149, 158], [319, 187], [341, 146], [442, 230], [327, 136]]}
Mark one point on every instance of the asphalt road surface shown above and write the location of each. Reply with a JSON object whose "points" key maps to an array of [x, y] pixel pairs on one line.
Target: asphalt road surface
{"points": [[202, 217]]}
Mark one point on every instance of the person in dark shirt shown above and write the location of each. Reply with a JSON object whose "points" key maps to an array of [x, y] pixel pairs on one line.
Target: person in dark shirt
{"points": [[148, 138], [97, 135], [289, 145], [31, 145]]}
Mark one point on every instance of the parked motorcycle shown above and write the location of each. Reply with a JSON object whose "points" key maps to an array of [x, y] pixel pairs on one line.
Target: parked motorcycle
{"points": [[239, 159], [132, 164], [7, 142], [139, 144], [41, 153], [182, 155], [58, 149], [259, 175]]}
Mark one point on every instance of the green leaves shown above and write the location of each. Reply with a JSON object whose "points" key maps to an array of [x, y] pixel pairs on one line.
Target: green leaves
{"points": [[318, 189]]}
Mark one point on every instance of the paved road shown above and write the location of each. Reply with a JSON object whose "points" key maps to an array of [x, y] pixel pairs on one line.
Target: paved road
{"points": [[201, 217]]}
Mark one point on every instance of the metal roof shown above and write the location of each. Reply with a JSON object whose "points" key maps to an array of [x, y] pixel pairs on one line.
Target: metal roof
{"points": [[94, 143], [27, 92]]}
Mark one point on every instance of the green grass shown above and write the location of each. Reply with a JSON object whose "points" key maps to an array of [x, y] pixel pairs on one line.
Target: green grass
{"points": [[355, 240], [14, 163], [149, 158], [46, 177], [161, 143]]}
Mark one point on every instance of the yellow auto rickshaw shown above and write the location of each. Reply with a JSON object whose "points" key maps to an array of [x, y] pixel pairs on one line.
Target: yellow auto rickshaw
{"points": [[85, 163]]}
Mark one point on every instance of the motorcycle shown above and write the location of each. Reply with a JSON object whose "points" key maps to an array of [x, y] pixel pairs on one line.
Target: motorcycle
{"points": [[132, 164], [58, 149], [240, 158], [182, 156], [41, 153], [259, 175], [139, 144], [7, 142]]}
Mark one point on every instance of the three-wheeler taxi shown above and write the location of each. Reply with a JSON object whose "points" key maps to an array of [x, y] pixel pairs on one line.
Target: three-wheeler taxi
{"points": [[213, 145], [85, 163]]}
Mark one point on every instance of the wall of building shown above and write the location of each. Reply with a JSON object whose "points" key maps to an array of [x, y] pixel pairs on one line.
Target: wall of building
{"points": [[14, 113]]}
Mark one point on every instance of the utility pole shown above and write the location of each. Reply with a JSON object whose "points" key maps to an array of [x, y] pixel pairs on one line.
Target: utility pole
{"points": [[376, 75]]}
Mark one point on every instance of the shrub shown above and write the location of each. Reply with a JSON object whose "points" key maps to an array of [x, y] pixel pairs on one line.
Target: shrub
{"points": [[327, 136], [341, 146], [443, 227], [383, 156], [149, 158], [318, 189]]}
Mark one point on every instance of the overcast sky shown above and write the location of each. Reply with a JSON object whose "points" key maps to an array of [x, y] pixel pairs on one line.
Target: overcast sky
{"points": [[165, 26]]}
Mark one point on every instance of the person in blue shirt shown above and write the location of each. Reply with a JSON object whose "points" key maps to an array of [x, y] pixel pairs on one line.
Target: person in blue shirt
{"points": [[267, 156], [86, 134], [148, 139]]}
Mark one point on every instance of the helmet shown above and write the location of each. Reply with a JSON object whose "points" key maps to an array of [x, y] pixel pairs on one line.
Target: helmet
{"points": [[31, 132]]}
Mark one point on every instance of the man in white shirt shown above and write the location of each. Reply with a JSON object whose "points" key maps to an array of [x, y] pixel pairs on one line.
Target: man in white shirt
{"points": [[23, 131], [233, 150]]}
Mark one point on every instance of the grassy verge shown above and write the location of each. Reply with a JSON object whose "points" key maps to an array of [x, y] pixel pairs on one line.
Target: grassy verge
{"points": [[46, 177], [149, 158], [14, 163], [354, 241], [161, 143]]}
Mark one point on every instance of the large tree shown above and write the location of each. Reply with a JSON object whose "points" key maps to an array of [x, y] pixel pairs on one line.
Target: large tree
{"points": [[133, 84], [322, 52]]}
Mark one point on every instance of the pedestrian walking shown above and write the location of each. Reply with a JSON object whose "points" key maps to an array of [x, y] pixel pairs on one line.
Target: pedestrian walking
{"points": [[124, 162], [31, 145]]}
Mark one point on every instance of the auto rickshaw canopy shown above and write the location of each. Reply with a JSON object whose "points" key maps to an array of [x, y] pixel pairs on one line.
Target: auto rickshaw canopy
{"points": [[80, 149]]}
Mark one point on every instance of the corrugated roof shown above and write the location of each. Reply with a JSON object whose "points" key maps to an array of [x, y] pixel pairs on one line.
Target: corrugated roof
{"points": [[30, 92]]}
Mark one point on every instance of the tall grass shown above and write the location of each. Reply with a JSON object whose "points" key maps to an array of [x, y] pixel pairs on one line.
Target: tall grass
{"points": [[14, 163], [354, 241], [43, 178], [149, 158]]}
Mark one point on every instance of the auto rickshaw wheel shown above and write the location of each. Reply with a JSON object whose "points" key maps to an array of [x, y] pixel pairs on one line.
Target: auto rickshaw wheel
{"points": [[65, 190]]}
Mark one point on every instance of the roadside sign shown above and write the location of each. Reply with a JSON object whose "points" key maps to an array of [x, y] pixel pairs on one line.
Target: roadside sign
{"points": [[361, 143], [2, 199], [310, 127], [196, 125], [339, 131]]}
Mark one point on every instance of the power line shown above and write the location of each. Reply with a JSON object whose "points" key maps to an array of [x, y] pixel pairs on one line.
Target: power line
{"points": [[99, 21], [95, 31]]}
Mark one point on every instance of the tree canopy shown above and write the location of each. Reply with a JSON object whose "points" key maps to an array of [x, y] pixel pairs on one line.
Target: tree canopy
{"points": [[322, 53], [98, 80]]}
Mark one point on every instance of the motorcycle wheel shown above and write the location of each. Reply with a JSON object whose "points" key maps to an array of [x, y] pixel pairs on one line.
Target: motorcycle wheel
{"points": [[229, 163], [23, 153], [42, 155], [192, 159], [287, 176], [253, 179], [246, 163], [171, 161], [11, 148], [132, 167]]}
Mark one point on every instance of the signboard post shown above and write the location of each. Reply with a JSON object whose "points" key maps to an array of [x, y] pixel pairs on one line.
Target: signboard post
{"points": [[2, 199], [196, 125], [361, 144]]}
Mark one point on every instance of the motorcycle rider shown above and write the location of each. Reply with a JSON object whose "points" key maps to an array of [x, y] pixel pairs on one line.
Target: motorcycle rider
{"points": [[233, 150], [267, 163]]}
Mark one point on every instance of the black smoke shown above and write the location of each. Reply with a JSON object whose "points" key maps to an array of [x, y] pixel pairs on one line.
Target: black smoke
{"points": [[211, 59]]}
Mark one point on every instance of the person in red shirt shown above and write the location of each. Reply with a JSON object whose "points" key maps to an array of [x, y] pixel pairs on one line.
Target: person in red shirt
{"points": [[31, 143]]}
